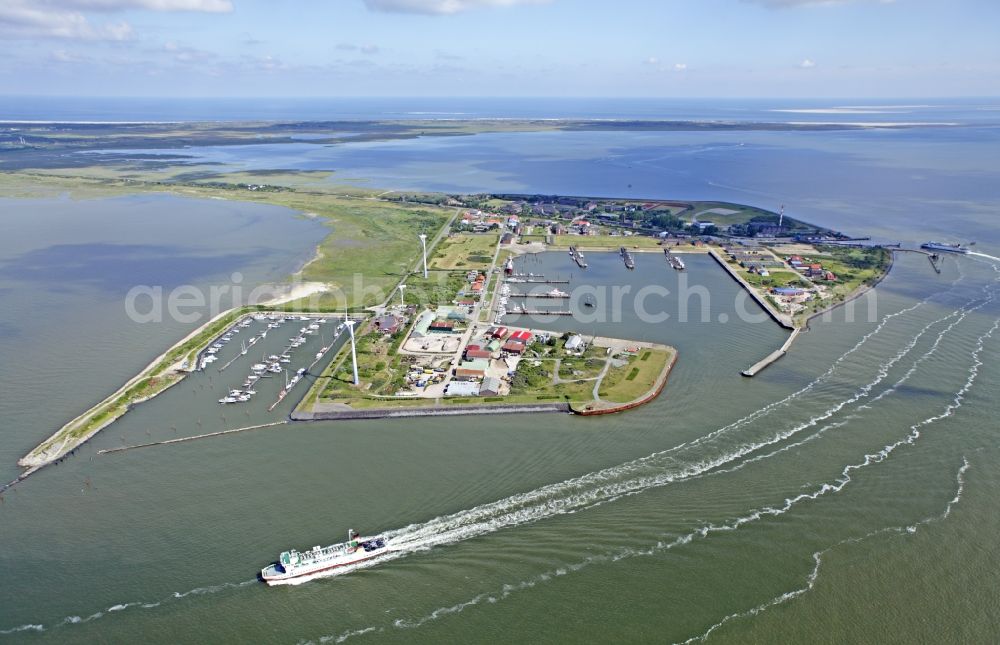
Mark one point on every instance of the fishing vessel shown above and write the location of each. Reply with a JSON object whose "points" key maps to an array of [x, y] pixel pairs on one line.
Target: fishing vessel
{"points": [[947, 248], [292, 565]]}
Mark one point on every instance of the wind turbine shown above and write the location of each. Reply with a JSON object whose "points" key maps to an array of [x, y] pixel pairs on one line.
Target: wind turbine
{"points": [[354, 355], [402, 303], [423, 242]]}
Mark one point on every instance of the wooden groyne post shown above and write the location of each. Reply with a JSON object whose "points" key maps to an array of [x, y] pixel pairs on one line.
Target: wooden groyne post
{"points": [[108, 451]]}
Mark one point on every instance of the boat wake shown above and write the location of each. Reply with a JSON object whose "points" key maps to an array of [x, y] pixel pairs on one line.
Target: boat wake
{"points": [[984, 255], [97, 615], [507, 590]]}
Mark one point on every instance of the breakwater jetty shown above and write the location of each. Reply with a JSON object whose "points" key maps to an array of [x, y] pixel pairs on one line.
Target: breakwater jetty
{"points": [[756, 368]]}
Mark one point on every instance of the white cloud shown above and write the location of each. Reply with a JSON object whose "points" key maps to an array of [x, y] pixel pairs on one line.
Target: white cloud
{"points": [[781, 4], [652, 60], [364, 49], [441, 7], [680, 67], [807, 64], [23, 19], [211, 6], [63, 56], [65, 18]]}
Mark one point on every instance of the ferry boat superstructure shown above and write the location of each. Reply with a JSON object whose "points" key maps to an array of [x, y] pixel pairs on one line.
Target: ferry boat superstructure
{"points": [[293, 565]]}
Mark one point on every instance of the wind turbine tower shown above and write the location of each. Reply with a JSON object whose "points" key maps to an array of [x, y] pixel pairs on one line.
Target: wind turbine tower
{"points": [[354, 355], [781, 217], [423, 242]]}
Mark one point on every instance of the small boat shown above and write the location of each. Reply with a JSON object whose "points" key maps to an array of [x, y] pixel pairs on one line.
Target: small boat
{"points": [[227, 399]]}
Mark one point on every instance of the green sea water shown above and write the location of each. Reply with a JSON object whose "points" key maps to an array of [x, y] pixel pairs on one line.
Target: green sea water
{"points": [[844, 494]]}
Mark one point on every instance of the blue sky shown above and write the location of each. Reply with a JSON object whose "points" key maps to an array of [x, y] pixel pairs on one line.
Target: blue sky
{"points": [[666, 48]]}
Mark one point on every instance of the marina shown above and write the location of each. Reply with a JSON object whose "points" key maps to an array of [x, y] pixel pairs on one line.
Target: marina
{"points": [[577, 257]]}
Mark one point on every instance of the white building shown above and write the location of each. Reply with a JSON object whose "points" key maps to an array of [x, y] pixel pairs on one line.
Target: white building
{"points": [[462, 388]]}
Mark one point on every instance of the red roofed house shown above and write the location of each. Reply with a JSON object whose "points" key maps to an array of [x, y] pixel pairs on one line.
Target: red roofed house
{"points": [[473, 352], [513, 347], [442, 325], [499, 332], [521, 336]]}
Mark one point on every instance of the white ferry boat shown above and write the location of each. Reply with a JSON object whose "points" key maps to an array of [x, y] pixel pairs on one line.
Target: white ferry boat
{"points": [[292, 565], [947, 248]]}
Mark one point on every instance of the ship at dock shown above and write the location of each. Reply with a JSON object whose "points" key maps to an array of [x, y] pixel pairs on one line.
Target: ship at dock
{"points": [[295, 566], [627, 257], [945, 248]]}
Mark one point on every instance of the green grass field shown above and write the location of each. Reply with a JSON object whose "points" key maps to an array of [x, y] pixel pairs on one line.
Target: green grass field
{"points": [[636, 378], [465, 251]]}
